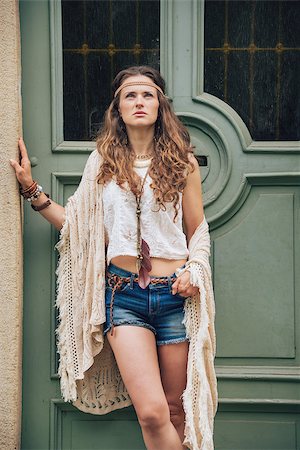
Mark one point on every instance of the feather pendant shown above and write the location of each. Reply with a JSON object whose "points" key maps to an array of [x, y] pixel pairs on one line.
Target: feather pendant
{"points": [[146, 261], [144, 277]]}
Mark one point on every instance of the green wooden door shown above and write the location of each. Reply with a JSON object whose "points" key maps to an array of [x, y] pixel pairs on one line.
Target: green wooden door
{"points": [[251, 195]]}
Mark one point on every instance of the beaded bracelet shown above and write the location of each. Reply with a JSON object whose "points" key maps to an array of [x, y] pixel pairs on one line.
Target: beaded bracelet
{"points": [[36, 194], [32, 192]]}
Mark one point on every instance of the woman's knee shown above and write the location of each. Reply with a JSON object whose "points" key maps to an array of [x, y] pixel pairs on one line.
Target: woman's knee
{"points": [[154, 415]]}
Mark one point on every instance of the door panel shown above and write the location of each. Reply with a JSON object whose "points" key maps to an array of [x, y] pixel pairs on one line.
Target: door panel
{"points": [[72, 429], [254, 277]]}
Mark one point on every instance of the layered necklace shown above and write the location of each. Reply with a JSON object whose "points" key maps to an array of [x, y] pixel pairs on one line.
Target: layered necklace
{"points": [[148, 154], [141, 157], [143, 264]]}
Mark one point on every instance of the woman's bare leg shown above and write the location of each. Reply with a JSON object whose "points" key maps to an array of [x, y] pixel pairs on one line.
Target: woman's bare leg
{"points": [[173, 367], [136, 355]]}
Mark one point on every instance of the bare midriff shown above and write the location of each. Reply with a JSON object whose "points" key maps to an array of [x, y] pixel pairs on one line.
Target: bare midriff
{"points": [[161, 267]]}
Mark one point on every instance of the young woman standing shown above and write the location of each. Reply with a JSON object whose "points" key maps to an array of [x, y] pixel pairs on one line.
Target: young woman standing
{"points": [[151, 212]]}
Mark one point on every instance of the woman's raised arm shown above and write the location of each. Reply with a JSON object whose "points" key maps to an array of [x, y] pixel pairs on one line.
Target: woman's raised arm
{"points": [[192, 203], [54, 213]]}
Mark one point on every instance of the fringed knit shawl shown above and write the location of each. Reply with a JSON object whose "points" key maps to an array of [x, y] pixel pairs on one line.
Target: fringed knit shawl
{"points": [[89, 376]]}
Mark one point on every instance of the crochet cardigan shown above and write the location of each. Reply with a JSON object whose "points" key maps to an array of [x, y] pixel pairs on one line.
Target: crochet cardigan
{"points": [[89, 376]]}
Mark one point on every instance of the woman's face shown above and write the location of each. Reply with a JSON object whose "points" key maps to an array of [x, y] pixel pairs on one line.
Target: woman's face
{"points": [[139, 103]]}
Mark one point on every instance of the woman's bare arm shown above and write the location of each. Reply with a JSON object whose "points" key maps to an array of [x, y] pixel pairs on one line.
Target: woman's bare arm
{"points": [[54, 213], [193, 215], [192, 204]]}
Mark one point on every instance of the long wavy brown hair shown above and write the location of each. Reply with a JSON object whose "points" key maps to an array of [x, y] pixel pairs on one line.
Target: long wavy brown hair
{"points": [[170, 164]]}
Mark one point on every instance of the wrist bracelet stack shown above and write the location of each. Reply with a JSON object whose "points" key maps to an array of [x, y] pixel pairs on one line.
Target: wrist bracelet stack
{"points": [[32, 193]]}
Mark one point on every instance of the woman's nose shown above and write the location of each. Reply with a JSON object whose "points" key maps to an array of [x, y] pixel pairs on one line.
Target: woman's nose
{"points": [[139, 100]]}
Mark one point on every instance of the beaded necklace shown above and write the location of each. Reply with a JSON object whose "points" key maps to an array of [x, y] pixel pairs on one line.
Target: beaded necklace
{"points": [[147, 156]]}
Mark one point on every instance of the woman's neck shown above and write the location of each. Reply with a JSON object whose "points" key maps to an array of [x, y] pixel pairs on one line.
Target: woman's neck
{"points": [[141, 141]]}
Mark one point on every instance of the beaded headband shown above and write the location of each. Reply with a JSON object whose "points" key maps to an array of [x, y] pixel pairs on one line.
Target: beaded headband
{"points": [[134, 83]]}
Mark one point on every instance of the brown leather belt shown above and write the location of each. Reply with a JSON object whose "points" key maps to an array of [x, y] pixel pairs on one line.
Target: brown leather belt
{"points": [[116, 281]]}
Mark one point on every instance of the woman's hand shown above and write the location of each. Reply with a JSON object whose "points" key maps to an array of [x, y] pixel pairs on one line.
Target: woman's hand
{"points": [[22, 170], [183, 286]]}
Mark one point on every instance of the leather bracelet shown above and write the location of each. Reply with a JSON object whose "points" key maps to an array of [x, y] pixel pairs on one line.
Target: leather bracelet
{"points": [[30, 188], [43, 206]]}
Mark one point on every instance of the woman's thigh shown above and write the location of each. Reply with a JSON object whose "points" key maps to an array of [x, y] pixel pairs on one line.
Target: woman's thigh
{"points": [[173, 367], [135, 351]]}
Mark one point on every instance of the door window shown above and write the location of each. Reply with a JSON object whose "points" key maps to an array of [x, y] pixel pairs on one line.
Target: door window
{"points": [[252, 62], [99, 39]]}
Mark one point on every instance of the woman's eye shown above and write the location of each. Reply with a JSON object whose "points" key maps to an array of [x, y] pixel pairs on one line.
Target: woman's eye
{"points": [[132, 94]]}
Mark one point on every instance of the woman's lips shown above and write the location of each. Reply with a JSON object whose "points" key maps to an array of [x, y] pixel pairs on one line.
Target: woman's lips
{"points": [[140, 113]]}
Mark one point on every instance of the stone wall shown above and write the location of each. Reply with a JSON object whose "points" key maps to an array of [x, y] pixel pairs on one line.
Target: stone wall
{"points": [[11, 258]]}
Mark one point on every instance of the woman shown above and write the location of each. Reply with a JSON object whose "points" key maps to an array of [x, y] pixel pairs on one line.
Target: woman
{"points": [[140, 184]]}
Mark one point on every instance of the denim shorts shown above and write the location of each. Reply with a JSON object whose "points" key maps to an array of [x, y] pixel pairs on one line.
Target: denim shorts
{"points": [[155, 307]]}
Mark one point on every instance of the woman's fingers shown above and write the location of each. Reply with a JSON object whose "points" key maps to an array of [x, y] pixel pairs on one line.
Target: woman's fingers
{"points": [[183, 286], [189, 291], [22, 153], [178, 283], [25, 161], [179, 287], [175, 286], [15, 165], [23, 150], [23, 167]]}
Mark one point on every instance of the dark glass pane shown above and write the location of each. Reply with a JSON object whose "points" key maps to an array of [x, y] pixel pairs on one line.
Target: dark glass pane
{"points": [[214, 73], [122, 60], [98, 30], [214, 16], [266, 23], [72, 24], [98, 88], [150, 58], [73, 88], [238, 82], [100, 38], [264, 87], [239, 25], [124, 23], [148, 32], [254, 67], [290, 23], [289, 114]]}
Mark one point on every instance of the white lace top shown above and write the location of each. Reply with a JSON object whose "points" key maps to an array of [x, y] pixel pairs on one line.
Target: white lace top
{"points": [[165, 238]]}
